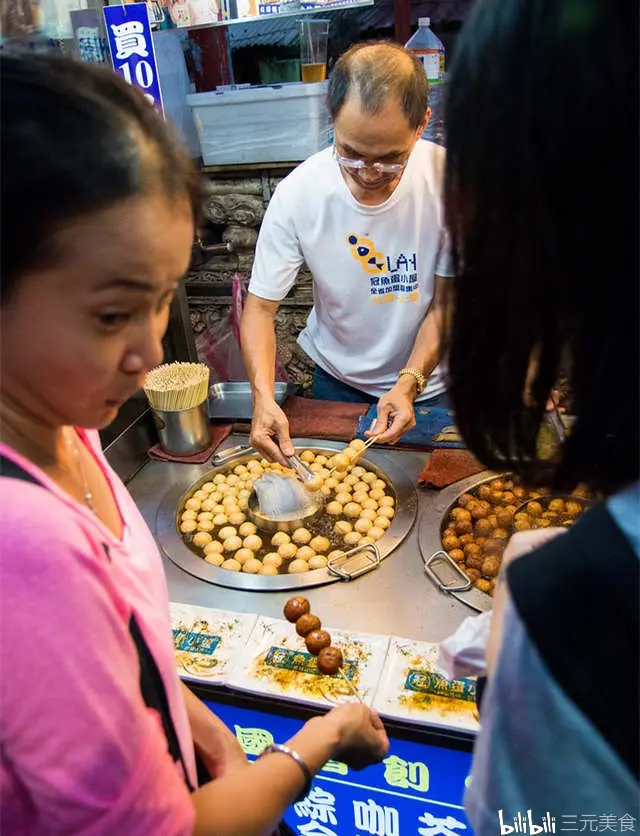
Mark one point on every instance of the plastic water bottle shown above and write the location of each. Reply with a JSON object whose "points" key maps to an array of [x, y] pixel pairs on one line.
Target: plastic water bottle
{"points": [[428, 48]]}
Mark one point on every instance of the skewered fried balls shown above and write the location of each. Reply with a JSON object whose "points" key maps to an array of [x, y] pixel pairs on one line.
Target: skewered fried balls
{"points": [[307, 456], [330, 660], [295, 608], [357, 444], [341, 462], [317, 640], [297, 566], [306, 623]]}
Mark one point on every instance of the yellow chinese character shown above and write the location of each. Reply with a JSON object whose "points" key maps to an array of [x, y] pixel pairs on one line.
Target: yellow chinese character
{"points": [[253, 741], [335, 766], [400, 773]]}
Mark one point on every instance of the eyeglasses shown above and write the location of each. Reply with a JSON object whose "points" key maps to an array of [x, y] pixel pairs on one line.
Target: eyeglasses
{"points": [[359, 165]]}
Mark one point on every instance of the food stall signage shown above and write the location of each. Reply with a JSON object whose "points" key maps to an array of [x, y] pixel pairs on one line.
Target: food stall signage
{"points": [[416, 791], [132, 51]]}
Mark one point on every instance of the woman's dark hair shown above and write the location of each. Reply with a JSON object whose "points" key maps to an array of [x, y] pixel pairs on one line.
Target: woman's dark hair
{"points": [[375, 72], [542, 204], [75, 139]]}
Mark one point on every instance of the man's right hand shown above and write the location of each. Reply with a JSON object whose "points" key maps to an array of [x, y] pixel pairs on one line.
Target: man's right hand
{"points": [[362, 736], [270, 431]]}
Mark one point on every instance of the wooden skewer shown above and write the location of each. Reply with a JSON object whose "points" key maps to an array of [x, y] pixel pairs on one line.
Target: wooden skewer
{"points": [[359, 452], [350, 684]]}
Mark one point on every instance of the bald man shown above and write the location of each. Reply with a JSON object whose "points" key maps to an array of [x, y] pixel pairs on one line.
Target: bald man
{"points": [[366, 216]]}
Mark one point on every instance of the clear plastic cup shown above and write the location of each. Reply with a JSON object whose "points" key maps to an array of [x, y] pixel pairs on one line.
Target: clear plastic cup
{"points": [[313, 49]]}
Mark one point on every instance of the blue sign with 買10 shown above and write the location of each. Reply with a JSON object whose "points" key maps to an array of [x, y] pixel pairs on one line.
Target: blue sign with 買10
{"points": [[132, 52], [416, 791]]}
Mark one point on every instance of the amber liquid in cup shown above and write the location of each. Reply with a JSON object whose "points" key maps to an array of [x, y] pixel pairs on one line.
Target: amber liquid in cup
{"points": [[314, 72]]}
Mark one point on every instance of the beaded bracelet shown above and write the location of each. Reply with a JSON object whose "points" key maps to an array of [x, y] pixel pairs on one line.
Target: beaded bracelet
{"points": [[285, 750]]}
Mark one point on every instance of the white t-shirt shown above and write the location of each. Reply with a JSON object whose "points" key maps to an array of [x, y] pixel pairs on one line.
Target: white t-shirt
{"points": [[373, 266]]}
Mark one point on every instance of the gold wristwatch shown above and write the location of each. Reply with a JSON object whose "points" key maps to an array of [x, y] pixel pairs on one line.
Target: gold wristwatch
{"points": [[420, 379]]}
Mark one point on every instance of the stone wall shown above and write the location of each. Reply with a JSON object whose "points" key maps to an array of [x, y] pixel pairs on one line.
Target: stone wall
{"points": [[234, 204]]}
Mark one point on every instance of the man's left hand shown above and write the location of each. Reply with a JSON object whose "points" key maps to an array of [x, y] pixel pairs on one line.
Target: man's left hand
{"points": [[395, 414]]}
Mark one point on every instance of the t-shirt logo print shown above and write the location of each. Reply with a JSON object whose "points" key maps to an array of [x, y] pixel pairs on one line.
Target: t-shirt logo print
{"points": [[364, 251]]}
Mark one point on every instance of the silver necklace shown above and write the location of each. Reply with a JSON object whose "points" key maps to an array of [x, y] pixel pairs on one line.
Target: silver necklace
{"points": [[71, 441]]}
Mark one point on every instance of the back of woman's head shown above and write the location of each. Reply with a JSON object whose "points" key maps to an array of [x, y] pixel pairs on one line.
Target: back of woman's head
{"points": [[542, 203], [75, 139]]}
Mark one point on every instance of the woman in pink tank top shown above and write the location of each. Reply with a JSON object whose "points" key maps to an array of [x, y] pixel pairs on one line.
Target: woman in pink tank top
{"points": [[98, 736]]}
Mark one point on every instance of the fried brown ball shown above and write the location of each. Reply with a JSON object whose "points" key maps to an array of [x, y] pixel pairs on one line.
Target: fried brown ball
{"points": [[508, 498], [522, 524], [480, 541], [496, 498], [460, 514], [480, 510], [465, 539], [450, 542], [448, 532], [473, 575], [501, 533], [496, 485], [493, 545], [484, 492], [465, 499], [482, 528], [508, 484], [456, 554], [483, 585], [582, 491], [504, 518], [317, 640], [550, 515], [306, 623], [463, 526], [573, 508], [557, 505], [493, 521], [471, 549], [520, 493], [474, 561], [330, 660], [542, 523], [534, 509], [490, 567], [295, 608]]}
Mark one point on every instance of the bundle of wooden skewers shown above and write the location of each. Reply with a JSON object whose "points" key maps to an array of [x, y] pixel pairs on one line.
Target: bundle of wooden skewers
{"points": [[177, 386]]}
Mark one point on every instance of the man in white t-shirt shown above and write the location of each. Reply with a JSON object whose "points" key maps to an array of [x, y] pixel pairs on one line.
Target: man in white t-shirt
{"points": [[366, 216]]}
